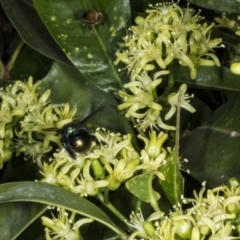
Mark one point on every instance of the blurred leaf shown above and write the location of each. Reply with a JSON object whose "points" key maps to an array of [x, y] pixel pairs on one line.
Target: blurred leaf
{"points": [[229, 6], [30, 63], [68, 85], [92, 53], [173, 184], [139, 187], [210, 77], [227, 37], [1, 44], [31, 29], [143, 5], [213, 149], [56, 196], [15, 217]]}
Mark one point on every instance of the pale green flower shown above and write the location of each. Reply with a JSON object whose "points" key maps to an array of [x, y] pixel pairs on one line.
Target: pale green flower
{"points": [[63, 227], [122, 171], [142, 97], [224, 232], [166, 230], [128, 153], [179, 98], [149, 120], [51, 171], [230, 24], [153, 156], [153, 146], [86, 185], [144, 229], [33, 149], [110, 145], [142, 104]]}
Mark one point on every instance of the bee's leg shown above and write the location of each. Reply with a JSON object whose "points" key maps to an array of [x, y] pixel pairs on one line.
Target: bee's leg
{"points": [[68, 147]]}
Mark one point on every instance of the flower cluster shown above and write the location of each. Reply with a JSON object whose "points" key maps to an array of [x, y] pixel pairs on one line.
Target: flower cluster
{"points": [[211, 217], [26, 113], [167, 33], [111, 161], [153, 155], [142, 103], [63, 227], [17, 100]]}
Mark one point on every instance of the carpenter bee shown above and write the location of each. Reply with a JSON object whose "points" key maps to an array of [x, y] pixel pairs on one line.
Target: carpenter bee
{"points": [[75, 136], [93, 18]]}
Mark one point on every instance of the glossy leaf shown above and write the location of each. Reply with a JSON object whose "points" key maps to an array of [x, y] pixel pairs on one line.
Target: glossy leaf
{"points": [[56, 196], [139, 186], [15, 217], [229, 6], [213, 149], [143, 5], [210, 77], [67, 84], [92, 53], [31, 29], [173, 184]]}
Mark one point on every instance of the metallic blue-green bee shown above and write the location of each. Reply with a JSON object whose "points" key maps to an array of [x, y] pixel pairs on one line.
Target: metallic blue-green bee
{"points": [[75, 136]]}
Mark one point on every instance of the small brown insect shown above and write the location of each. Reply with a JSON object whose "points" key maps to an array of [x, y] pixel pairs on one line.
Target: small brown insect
{"points": [[93, 18]]}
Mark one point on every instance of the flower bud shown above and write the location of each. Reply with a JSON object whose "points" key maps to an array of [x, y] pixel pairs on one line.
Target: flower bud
{"points": [[149, 228], [235, 68], [98, 169]]}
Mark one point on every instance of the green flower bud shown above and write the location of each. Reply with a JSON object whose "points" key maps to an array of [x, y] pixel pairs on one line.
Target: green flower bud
{"points": [[98, 169], [234, 182], [149, 228], [113, 183], [235, 68], [139, 20], [183, 229], [195, 233]]}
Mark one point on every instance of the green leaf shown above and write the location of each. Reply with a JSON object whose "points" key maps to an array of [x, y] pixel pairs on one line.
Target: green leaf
{"points": [[15, 217], [92, 53], [227, 37], [212, 150], [67, 84], [143, 5], [30, 63], [211, 77], [139, 187], [31, 29], [229, 6], [173, 184], [56, 196]]}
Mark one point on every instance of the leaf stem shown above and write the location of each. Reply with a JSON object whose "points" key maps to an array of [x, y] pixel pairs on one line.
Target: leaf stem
{"points": [[16, 52], [105, 200]]}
